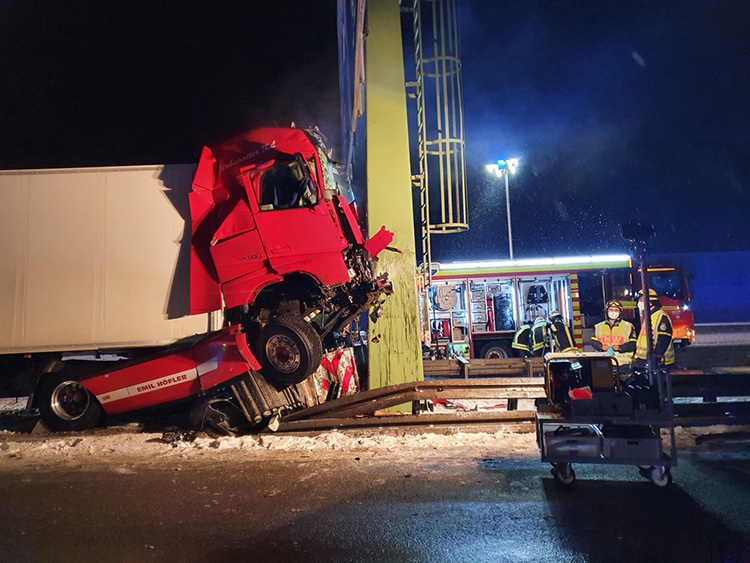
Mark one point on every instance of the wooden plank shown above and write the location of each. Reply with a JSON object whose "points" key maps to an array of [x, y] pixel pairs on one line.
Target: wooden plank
{"points": [[384, 397], [528, 367], [461, 418]]}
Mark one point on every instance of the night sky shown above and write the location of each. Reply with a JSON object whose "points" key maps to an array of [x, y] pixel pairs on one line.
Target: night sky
{"points": [[628, 110], [618, 111], [105, 83]]}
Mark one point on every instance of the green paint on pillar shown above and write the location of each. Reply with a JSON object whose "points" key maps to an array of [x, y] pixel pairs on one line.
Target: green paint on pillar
{"points": [[396, 357]]}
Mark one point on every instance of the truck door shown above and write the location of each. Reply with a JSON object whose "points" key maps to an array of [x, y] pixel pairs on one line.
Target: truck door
{"points": [[299, 229]]}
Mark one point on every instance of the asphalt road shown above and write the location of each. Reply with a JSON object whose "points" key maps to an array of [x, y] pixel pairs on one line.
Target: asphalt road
{"points": [[363, 507]]}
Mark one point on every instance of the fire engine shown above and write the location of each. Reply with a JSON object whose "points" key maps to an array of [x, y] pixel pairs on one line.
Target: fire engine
{"points": [[473, 309]]}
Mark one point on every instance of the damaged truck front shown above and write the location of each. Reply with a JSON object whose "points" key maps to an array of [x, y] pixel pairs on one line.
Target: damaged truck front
{"points": [[273, 244], [274, 240]]}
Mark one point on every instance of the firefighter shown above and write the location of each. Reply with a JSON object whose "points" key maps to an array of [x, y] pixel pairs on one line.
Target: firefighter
{"points": [[538, 340], [661, 329], [522, 340], [615, 336], [560, 331]]}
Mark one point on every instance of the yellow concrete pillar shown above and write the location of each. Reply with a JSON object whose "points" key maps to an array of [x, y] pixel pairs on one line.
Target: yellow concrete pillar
{"points": [[396, 357]]}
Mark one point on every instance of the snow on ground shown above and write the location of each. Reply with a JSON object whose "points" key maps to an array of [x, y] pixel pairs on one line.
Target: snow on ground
{"points": [[128, 444]]}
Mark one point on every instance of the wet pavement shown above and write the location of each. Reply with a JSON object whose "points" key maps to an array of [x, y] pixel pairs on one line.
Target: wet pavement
{"points": [[366, 507]]}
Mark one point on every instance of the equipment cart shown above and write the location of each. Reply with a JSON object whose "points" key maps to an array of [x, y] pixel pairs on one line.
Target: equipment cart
{"points": [[608, 421]]}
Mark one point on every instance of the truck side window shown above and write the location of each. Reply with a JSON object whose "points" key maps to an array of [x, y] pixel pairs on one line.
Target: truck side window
{"points": [[287, 185]]}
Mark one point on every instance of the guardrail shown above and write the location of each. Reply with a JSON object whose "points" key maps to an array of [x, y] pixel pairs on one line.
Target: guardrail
{"points": [[448, 369], [702, 397]]}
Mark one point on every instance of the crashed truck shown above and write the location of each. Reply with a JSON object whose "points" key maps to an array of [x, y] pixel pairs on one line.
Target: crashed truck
{"points": [[273, 244]]}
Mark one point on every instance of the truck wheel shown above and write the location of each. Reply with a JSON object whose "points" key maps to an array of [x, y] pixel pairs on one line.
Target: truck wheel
{"points": [[290, 350], [496, 350], [65, 404]]}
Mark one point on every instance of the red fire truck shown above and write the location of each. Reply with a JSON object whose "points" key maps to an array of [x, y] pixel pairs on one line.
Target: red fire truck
{"points": [[474, 308]]}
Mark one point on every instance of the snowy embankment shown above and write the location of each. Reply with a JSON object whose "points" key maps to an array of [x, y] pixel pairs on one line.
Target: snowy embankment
{"points": [[128, 444]]}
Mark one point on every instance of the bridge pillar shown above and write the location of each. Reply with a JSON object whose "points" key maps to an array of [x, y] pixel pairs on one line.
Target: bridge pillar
{"points": [[396, 357]]}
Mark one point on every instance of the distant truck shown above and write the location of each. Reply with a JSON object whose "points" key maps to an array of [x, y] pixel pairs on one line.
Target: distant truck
{"points": [[257, 265]]}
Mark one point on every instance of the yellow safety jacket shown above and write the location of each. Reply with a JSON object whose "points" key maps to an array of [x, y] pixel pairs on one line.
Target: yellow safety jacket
{"points": [[661, 329], [564, 340], [620, 333], [522, 338], [538, 341]]}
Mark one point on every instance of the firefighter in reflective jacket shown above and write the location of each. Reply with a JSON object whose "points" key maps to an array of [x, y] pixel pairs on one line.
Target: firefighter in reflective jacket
{"points": [[615, 336], [538, 341], [522, 340], [661, 329], [560, 331]]}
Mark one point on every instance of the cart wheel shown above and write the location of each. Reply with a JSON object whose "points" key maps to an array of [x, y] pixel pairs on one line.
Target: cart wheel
{"points": [[564, 474], [660, 475]]}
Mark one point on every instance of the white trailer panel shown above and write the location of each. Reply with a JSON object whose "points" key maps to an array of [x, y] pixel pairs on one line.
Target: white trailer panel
{"points": [[95, 257]]}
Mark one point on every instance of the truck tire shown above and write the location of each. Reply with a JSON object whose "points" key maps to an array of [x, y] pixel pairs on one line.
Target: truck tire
{"points": [[496, 350], [290, 350], [66, 405]]}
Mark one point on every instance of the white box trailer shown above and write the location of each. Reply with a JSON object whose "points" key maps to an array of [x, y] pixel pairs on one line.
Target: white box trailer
{"points": [[96, 258]]}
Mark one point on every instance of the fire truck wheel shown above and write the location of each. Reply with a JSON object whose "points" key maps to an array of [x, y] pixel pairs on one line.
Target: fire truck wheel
{"points": [[290, 349], [496, 350], [66, 405]]}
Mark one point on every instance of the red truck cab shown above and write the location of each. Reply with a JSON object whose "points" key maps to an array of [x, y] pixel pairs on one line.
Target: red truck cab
{"points": [[276, 245], [278, 248]]}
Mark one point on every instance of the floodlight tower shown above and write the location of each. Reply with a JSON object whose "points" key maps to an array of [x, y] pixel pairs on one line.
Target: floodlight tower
{"points": [[504, 168]]}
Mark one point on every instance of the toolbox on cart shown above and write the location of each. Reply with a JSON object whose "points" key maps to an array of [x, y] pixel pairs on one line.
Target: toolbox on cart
{"points": [[603, 404], [585, 441], [631, 448], [631, 442], [564, 372]]}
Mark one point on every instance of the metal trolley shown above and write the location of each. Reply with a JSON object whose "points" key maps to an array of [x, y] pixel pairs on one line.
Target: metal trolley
{"points": [[614, 423]]}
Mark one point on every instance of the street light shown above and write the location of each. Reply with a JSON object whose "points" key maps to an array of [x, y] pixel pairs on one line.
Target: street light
{"points": [[504, 168]]}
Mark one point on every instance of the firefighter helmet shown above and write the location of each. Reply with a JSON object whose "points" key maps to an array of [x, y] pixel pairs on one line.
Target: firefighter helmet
{"points": [[614, 303], [652, 295]]}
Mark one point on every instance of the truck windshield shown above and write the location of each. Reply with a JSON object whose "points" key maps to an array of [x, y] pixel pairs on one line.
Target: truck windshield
{"points": [[667, 283], [287, 185]]}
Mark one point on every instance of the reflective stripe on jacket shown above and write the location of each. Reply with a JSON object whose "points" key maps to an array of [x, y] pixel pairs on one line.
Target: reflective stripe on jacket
{"points": [[521, 338], [564, 340], [661, 329], [538, 337], [620, 333]]}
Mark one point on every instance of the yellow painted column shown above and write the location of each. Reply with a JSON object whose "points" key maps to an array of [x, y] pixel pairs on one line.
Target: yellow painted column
{"points": [[396, 357]]}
